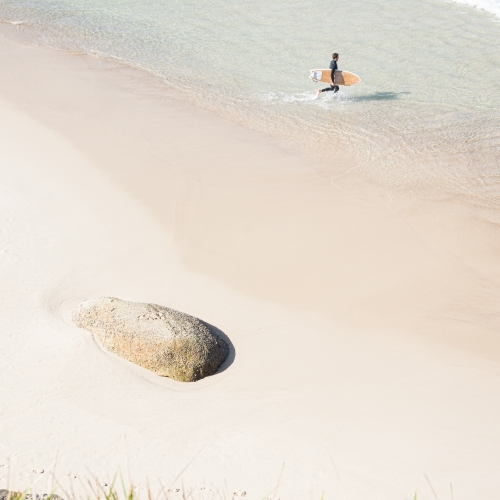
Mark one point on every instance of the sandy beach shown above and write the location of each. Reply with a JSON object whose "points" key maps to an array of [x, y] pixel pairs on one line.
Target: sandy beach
{"points": [[365, 323]]}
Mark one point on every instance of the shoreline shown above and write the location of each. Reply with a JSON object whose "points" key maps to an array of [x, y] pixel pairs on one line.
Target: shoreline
{"points": [[360, 333], [247, 168]]}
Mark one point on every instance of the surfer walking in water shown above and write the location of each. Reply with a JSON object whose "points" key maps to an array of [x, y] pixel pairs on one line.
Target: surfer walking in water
{"points": [[333, 67]]}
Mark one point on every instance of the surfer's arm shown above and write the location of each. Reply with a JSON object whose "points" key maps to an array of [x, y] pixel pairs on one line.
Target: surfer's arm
{"points": [[333, 68]]}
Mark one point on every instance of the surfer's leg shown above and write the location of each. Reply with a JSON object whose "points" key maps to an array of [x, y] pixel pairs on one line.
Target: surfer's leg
{"points": [[335, 89]]}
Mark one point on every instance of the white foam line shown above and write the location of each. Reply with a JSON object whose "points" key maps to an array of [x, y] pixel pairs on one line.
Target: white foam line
{"points": [[492, 6]]}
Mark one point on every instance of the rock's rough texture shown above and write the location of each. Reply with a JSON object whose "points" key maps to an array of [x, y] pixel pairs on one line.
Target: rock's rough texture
{"points": [[167, 342]]}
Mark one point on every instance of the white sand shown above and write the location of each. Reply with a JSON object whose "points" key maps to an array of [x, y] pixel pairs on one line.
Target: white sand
{"points": [[366, 330]]}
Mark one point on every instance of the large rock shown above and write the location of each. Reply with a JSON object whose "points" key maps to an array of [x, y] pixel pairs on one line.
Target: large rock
{"points": [[167, 342]]}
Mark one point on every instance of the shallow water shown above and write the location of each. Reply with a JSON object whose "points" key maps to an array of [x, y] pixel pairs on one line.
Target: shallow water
{"points": [[425, 115]]}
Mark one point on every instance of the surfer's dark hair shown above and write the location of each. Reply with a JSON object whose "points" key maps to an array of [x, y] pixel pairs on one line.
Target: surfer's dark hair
{"points": [[335, 55]]}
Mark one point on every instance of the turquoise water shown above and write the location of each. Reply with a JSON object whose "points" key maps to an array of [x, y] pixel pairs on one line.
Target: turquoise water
{"points": [[426, 113]]}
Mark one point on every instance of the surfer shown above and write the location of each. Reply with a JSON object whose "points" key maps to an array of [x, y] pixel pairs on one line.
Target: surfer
{"points": [[333, 67]]}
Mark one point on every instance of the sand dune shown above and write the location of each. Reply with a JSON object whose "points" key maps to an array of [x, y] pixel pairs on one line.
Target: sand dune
{"points": [[365, 324]]}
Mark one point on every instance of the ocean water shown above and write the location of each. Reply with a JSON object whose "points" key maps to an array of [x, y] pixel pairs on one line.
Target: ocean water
{"points": [[426, 115]]}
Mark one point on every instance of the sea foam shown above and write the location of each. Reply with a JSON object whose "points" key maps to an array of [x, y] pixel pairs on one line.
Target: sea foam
{"points": [[492, 6]]}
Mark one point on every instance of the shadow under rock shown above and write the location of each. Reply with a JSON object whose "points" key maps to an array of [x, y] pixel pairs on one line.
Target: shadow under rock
{"points": [[232, 351]]}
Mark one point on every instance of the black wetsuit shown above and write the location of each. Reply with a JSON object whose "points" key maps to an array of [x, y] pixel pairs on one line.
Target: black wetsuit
{"points": [[333, 67]]}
